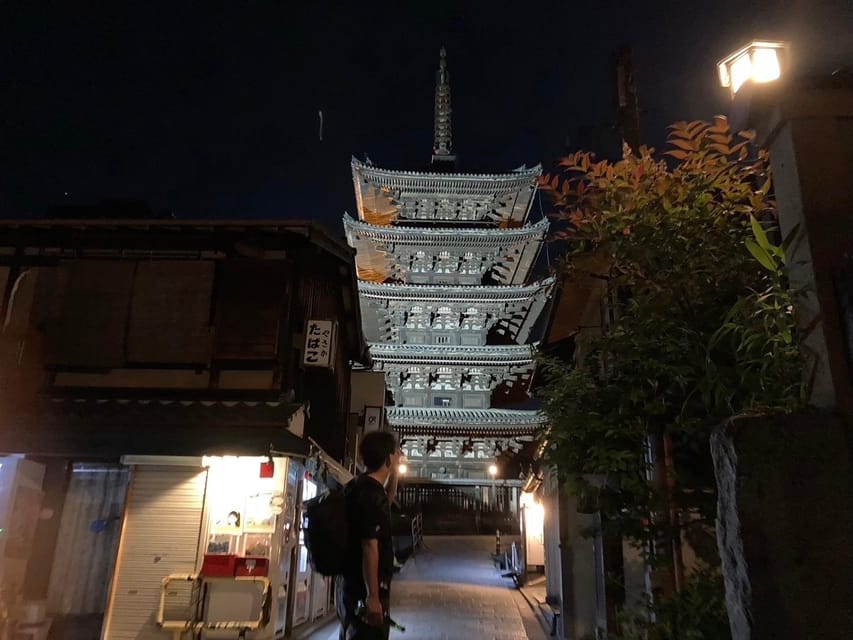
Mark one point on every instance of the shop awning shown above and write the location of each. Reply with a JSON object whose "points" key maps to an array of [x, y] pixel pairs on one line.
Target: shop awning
{"points": [[111, 428]]}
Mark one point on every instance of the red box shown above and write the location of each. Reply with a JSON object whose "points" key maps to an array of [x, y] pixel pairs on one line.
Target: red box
{"points": [[251, 566], [217, 565]]}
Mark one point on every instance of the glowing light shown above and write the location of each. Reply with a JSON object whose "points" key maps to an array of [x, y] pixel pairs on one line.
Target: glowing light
{"points": [[534, 516], [402, 469], [223, 462], [493, 470], [758, 61]]}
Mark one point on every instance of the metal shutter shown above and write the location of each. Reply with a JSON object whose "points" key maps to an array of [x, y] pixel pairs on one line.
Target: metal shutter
{"points": [[160, 536], [79, 581]]}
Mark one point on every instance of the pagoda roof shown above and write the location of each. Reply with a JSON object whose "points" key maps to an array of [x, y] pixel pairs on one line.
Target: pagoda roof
{"points": [[503, 199], [446, 236], [457, 183], [453, 293], [453, 421], [453, 354]]}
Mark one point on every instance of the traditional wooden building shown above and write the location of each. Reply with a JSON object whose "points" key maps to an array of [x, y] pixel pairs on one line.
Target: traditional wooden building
{"points": [[450, 309], [149, 369]]}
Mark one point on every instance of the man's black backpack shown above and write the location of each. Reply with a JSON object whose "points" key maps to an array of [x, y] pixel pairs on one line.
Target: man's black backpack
{"points": [[326, 530]]}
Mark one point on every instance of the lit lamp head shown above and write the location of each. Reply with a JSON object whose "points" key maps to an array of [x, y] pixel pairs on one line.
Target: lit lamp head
{"points": [[402, 469], [493, 470], [758, 61]]}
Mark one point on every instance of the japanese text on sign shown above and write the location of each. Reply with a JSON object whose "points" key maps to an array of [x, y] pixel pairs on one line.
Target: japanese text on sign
{"points": [[319, 343]]}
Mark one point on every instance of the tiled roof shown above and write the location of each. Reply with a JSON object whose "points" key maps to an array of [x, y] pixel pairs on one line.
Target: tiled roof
{"points": [[450, 421], [453, 354], [447, 235], [451, 293]]}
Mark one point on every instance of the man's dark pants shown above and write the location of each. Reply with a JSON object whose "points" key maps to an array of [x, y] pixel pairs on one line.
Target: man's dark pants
{"points": [[353, 628]]}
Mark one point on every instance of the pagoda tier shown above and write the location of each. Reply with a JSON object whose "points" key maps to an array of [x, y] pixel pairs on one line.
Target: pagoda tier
{"points": [[461, 315], [433, 354], [387, 197], [432, 376], [441, 255], [475, 423], [428, 449]]}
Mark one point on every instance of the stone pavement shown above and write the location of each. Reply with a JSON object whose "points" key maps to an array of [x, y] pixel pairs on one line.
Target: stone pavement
{"points": [[451, 590]]}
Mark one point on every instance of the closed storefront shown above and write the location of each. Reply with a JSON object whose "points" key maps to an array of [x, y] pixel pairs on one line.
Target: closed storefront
{"points": [[86, 545], [160, 536]]}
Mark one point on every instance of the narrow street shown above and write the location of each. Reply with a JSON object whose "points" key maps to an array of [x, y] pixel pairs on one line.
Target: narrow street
{"points": [[451, 590]]}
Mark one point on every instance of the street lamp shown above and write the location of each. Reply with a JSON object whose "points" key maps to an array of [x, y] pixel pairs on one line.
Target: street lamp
{"points": [[493, 471], [758, 61], [402, 469]]}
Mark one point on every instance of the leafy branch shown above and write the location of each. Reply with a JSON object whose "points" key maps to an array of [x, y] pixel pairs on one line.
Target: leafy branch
{"points": [[701, 324]]}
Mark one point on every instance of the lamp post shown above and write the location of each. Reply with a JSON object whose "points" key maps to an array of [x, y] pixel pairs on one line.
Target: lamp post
{"points": [[805, 125], [493, 472], [759, 61]]}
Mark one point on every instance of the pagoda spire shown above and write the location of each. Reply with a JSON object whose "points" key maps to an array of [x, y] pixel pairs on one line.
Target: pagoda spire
{"points": [[442, 148]]}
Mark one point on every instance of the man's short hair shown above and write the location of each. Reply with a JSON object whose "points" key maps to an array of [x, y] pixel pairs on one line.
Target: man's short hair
{"points": [[375, 449]]}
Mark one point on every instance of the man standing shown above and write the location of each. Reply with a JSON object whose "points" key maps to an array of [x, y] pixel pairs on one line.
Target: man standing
{"points": [[370, 556]]}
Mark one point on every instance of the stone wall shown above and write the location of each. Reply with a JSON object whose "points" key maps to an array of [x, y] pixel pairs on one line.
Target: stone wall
{"points": [[785, 525]]}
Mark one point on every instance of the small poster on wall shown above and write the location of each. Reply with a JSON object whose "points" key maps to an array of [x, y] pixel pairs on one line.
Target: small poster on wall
{"points": [[372, 419], [259, 514], [228, 519]]}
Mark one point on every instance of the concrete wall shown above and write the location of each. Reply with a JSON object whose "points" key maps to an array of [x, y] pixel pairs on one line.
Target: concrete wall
{"points": [[809, 134]]}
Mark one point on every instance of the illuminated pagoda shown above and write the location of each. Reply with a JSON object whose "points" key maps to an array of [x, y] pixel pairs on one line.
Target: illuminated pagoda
{"points": [[444, 262]]}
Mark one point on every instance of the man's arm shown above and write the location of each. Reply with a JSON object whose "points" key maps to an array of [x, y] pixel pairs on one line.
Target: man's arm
{"points": [[370, 572], [391, 486]]}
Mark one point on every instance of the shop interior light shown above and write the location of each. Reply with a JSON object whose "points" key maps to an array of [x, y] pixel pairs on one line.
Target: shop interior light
{"points": [[758, 61], [219, 461], [533, 509]]}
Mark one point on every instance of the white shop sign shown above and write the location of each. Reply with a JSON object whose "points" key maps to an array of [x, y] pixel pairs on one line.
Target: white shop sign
{"points": [[320, 340]]}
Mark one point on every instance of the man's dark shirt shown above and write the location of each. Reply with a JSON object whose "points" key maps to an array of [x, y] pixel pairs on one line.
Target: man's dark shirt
{"points": [[369, 515]]}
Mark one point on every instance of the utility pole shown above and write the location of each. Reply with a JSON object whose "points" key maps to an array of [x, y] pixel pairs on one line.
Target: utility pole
{"points": [[628, 113]]}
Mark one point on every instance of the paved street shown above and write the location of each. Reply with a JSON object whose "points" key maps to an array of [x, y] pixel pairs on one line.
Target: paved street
{"points": [[452, 591]]}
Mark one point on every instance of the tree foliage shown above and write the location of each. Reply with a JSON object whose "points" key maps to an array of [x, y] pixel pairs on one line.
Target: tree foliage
{"points": [[698, 612], [700, 322]]}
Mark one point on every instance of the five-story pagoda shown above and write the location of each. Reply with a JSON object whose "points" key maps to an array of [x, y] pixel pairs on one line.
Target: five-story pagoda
{"points": [[444, 261]]}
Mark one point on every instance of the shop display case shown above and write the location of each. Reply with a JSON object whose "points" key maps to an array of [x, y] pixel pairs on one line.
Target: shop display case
{"points": [[255, 572], [244, 507]]}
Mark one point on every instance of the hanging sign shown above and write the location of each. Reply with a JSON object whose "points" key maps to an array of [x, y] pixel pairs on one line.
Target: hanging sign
{"points": [[320, 342]]}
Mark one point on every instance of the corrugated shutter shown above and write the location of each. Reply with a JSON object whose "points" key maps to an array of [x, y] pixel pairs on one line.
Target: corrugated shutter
{"points": [[88, 536], [160, 536]]}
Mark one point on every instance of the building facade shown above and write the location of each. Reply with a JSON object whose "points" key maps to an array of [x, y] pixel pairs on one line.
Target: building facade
{"points": [[449, 308], [171, 391]]}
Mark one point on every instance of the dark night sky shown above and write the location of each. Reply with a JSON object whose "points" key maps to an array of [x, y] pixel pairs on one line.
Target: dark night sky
{"points": [[210, 110]]}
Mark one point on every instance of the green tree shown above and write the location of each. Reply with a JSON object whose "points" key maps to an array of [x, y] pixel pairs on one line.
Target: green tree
{"points": [[700, 327]]}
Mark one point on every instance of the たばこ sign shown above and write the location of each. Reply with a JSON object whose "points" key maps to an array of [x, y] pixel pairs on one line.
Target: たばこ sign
{"points": [[319, 344]]}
